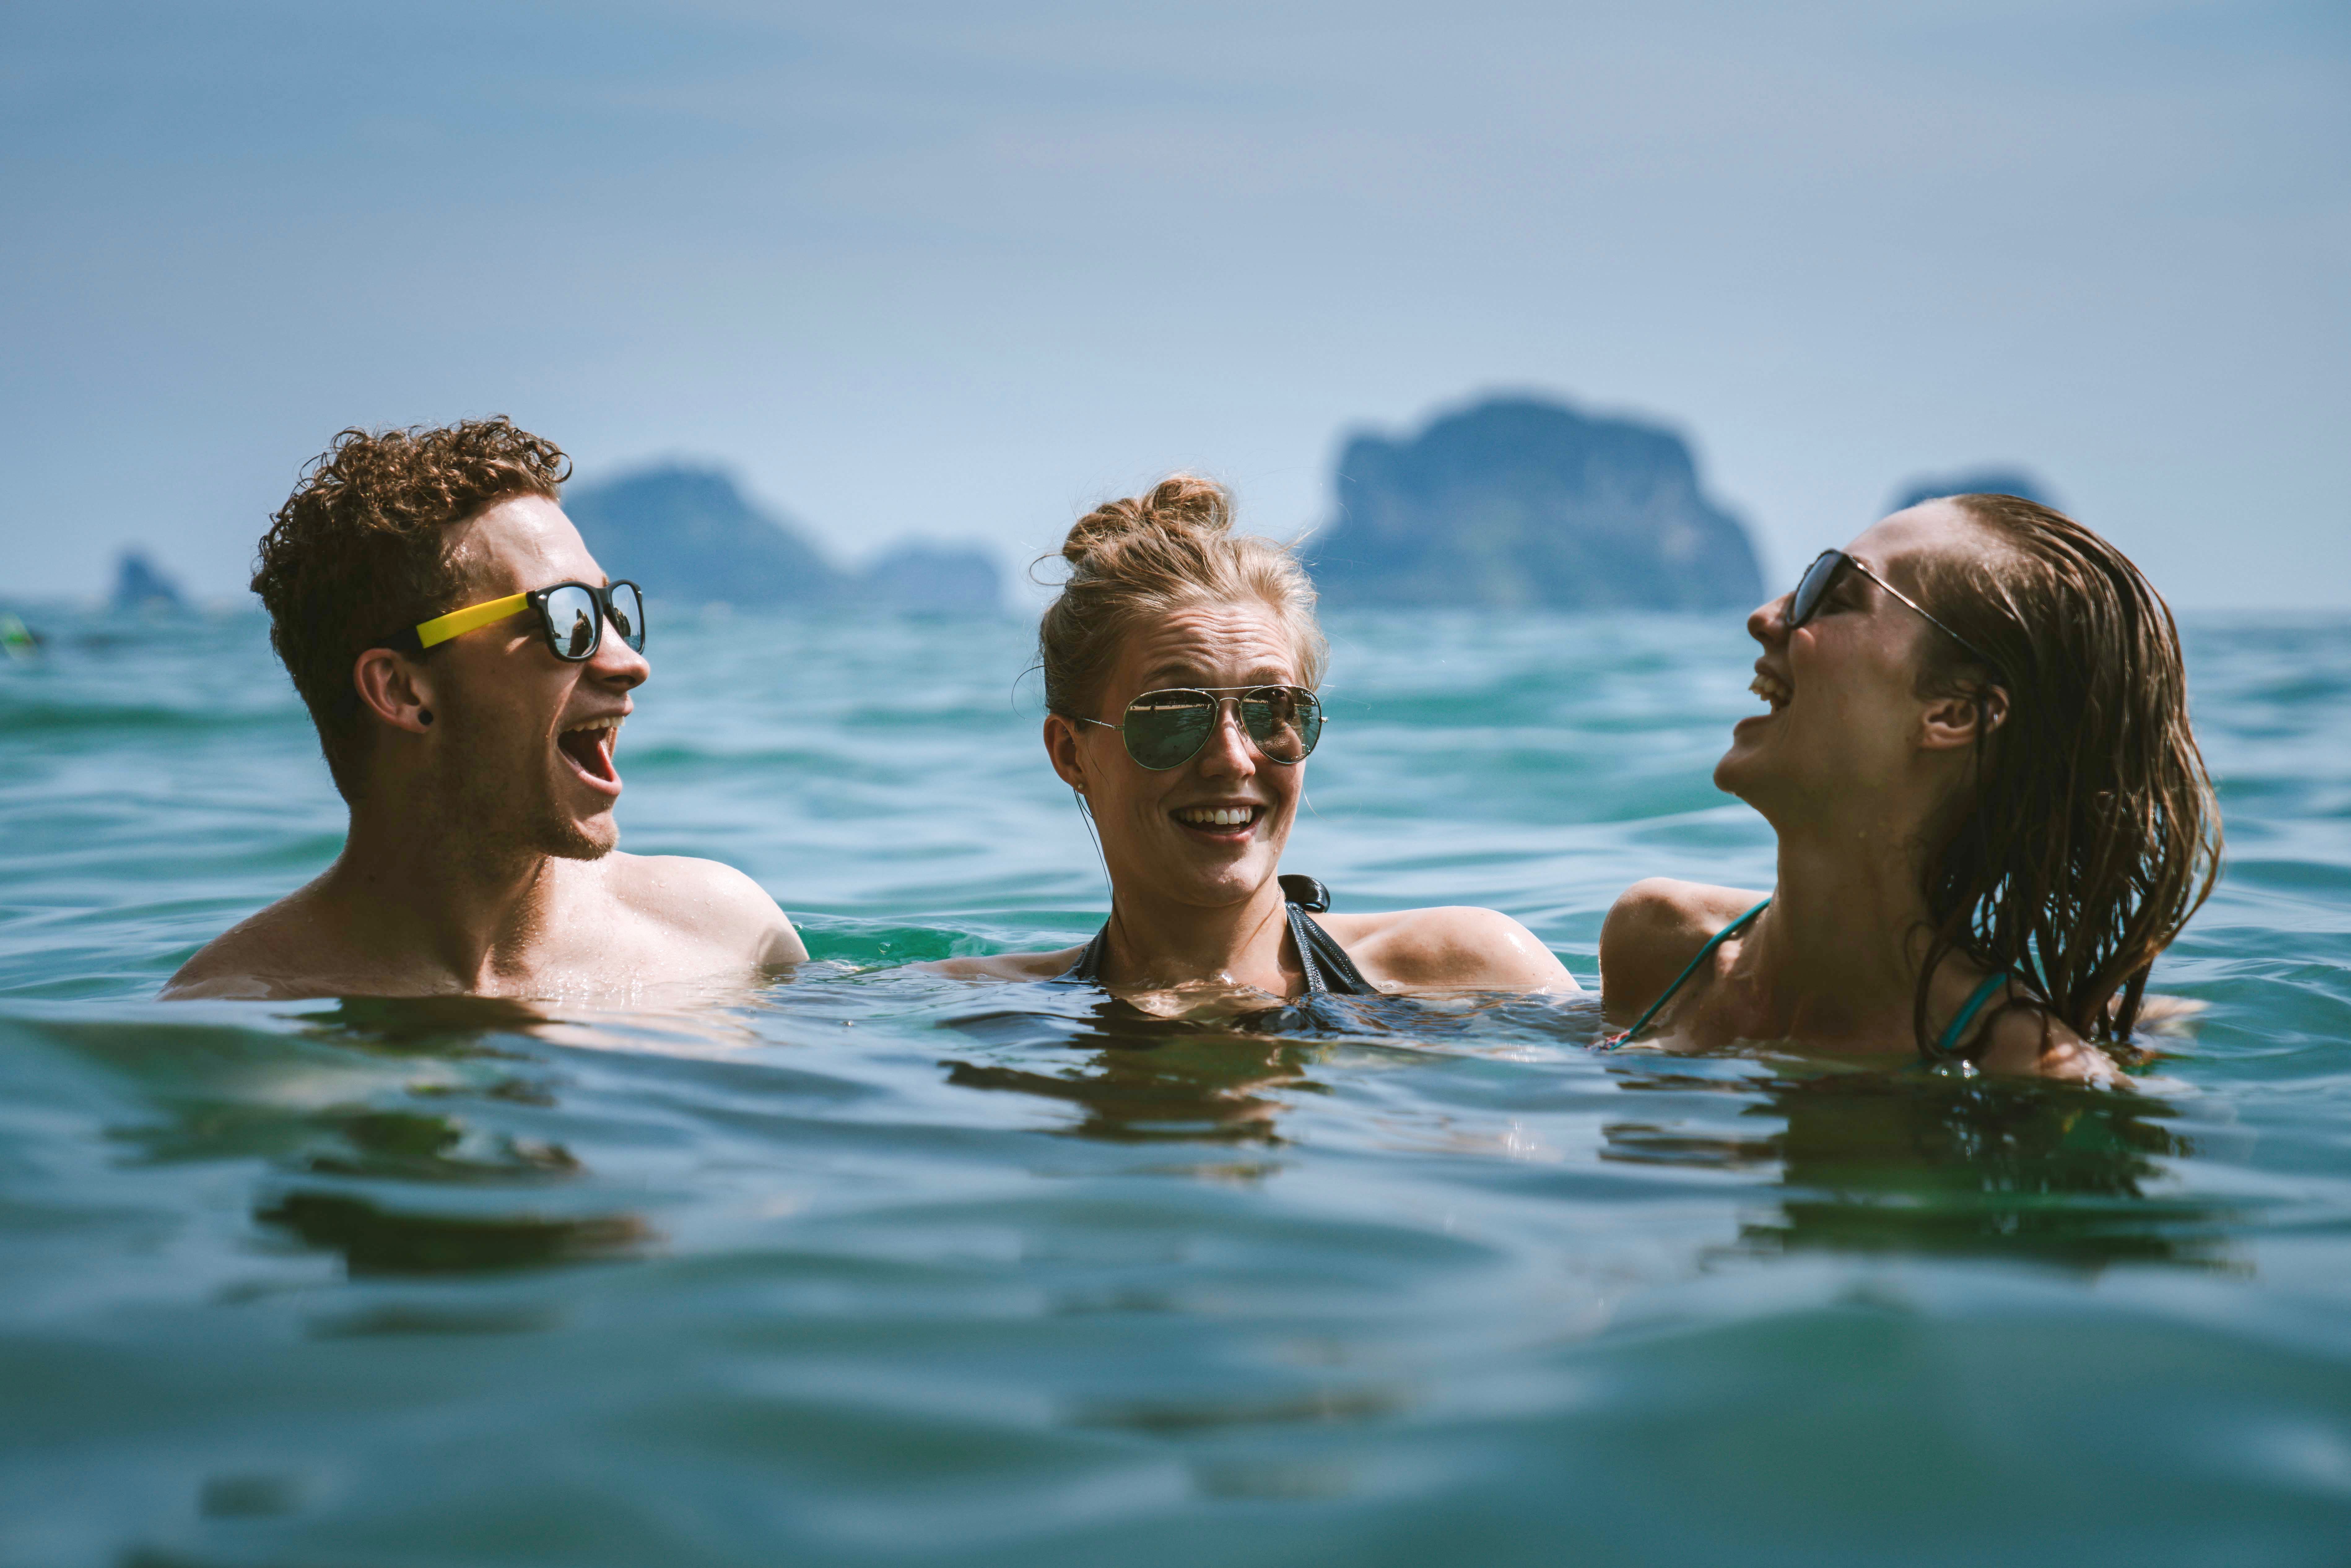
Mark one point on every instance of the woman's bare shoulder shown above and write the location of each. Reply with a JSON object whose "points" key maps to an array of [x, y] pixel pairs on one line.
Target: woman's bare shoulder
{"points": [[1005, 965], [2023, 1040], [1654, 929], [1661, 908], [1453, 945]]}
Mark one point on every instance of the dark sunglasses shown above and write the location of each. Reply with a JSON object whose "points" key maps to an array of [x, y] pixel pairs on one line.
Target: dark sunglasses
{"points": [[1166, 729], [1822, 575], [572, 614]]}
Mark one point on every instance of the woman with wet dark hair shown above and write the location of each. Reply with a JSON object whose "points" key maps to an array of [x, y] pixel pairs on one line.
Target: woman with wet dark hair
{"points": [[1991, 813]]}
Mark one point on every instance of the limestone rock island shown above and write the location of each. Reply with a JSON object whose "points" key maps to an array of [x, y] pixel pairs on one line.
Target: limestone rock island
{"points": [[1518, 503], [689, 536]]}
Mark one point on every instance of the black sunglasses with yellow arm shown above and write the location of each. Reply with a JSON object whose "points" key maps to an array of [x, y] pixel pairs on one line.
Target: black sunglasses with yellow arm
{"points": [[572, 614]]}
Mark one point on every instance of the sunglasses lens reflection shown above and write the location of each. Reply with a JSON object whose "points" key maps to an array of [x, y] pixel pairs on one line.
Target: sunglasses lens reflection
{"points": [[571, 620], [1814, 586], [1166, 729], [1284, 721], [629, 614]]}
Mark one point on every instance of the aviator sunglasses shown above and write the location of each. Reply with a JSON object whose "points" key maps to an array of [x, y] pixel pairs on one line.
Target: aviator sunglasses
{"points": [[572, 614], [1822, 575], [1166, 729]]}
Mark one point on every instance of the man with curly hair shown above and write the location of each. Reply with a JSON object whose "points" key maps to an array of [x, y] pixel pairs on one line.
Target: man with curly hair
{"points": [[469, 665]]}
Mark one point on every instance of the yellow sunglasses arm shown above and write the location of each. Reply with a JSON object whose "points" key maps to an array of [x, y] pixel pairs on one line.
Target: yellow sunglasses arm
{"points": [[457, 622]]}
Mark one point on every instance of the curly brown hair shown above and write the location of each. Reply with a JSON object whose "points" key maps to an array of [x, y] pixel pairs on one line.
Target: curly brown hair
{"points": [[360, 550], [2092, 834]]}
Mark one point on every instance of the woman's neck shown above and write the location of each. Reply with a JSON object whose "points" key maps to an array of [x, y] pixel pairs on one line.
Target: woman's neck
{"points": [[1839, 949], [1157, 944]]}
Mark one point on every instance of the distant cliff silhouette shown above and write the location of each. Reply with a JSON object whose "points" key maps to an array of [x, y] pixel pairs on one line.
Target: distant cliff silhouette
{"points": [[940, 579], [142, 586], [689, 536], [1521, 503], [1973, 482]]}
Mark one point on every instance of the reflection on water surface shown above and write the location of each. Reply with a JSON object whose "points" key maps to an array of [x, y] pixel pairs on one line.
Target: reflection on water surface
{"points": [[373, 1240], [1919, 1163]]}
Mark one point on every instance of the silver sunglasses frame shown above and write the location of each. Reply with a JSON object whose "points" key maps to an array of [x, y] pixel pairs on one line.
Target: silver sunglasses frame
{"points": [[1223, 695], [1858, 565]]}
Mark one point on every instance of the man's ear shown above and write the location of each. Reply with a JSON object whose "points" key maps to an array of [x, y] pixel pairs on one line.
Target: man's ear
{"points": [[1961, 718], [396, 689], [1061, 747]]}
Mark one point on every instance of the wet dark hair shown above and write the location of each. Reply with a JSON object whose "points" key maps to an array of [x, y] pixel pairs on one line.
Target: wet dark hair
{"points": [[360, 550], [2093, 832]]}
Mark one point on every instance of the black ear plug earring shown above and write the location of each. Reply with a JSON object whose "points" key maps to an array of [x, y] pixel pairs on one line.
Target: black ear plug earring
{"points": [[424, 717]]}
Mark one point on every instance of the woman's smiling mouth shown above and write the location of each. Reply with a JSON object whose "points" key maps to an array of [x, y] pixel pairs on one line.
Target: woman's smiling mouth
{"points": [[1229, 822]]}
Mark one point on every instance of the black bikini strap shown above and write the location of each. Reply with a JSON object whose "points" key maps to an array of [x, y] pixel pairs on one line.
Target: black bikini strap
{"points": [[1302, 931], [1328, 970], [1327, 967], [1304, 892], [1087, 970]]}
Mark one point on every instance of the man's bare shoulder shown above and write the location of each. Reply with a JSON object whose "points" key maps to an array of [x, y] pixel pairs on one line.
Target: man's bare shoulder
{"points": [[276, 954], [1005, 965], [705, 900], [1455, 945], [1653, 930]]}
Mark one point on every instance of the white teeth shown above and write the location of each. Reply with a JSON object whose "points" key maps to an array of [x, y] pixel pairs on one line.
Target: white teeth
{"points": [[1771, 689], [610, 721], [1217, 816]]}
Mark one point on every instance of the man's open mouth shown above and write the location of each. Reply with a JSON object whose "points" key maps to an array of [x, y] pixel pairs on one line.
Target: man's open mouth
{"points": [[590, 749], [1771, 689], [1219, 821]]}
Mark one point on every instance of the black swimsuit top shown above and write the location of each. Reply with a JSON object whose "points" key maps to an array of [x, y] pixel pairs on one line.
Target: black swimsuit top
{"points": [[1329, 971]]}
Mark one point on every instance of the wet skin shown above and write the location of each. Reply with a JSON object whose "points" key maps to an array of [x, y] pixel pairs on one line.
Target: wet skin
{"points": [[1197, 919], [480, 858], [1856, 772]]}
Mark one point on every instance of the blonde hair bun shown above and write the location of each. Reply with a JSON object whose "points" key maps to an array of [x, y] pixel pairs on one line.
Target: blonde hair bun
{"points": [[1158, 552], [1179, 504]]}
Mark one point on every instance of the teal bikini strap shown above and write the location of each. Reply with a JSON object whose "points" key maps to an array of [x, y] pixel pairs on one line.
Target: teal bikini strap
{"points": [[1957, 1031], [1717, 940]]}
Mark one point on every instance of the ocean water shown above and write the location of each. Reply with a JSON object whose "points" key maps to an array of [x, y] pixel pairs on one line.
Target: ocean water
{"points": [[875, 1268]]}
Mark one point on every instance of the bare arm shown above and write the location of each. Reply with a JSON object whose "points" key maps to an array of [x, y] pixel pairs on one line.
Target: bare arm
{"points": [[710, 903], [1652, 931], [1004, 965], [211, 971], [1456, 948], [775, 944], [2027, 1042], [204, 981], [277, 954]]}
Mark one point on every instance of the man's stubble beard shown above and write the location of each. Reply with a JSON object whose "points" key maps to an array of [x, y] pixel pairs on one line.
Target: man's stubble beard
{"points": [[508, 811]]}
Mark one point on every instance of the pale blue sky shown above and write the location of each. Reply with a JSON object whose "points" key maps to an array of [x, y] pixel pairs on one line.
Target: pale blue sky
{"points": [[953, 269]]}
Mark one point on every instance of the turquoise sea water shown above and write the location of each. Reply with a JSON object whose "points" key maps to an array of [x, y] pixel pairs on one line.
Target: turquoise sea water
{"points": [[882, 1268]]}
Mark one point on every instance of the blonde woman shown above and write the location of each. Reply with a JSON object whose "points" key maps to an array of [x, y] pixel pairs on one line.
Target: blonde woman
{"points": [[1181, 662]]}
